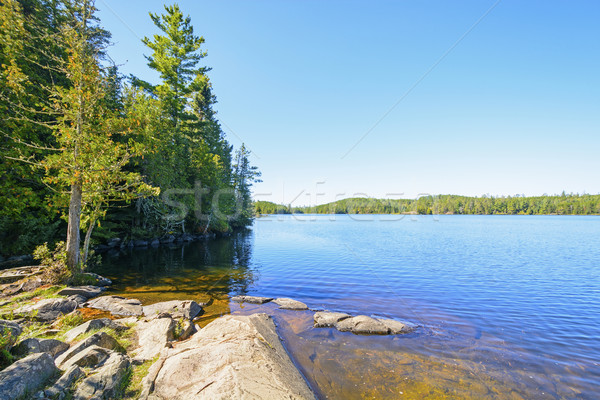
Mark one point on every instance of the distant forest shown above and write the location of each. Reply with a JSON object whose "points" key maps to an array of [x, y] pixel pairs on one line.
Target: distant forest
{"points": [[564, 204]]}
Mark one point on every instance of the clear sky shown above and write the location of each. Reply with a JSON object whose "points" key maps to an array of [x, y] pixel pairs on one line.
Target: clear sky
{"points": [[396, 98]]}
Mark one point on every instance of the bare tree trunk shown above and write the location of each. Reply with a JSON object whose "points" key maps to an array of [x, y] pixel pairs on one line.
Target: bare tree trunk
{"points": [[86, 242], [73, 238]]}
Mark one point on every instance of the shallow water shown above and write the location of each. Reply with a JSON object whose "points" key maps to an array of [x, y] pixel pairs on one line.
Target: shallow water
{"points": [[509, 306]]}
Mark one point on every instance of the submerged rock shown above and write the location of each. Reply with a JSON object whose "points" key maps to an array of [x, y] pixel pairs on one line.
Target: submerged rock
{"points": [[177, 309], [117, 305], [397, 327], [251, 299], [232, 357], [324, 319], [362, 325], [26, 375], [290, 304]]}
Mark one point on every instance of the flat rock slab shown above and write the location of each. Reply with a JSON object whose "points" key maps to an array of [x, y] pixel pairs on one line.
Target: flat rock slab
{"points": [[362, 325], [32, 345], [87, 291], [233, 357], [48, 309], [153, 336], [117, 305], [397, 327], [177, 309], [26, 375], [94, 324], [251, 299], [290, 304], [324, 319]]}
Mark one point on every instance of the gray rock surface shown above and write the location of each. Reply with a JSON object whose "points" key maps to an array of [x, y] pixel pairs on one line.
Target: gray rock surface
{"points": [[26, 375], [32, 345], [48, 309], [324, 319], [233, 357], [117, 305], [60, 387], [153, 336], [290, 304], [87, 291], [10, 329], [362, 325], [89, 357], [178, 309], [79, 299], [397, 327], [106, 381], [101, 339], [100, 280], [94, 324], [251, 299]]}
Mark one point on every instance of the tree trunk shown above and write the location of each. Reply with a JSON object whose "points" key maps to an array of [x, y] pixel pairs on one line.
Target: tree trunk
{"points": [[73, 238], [86, 242]]}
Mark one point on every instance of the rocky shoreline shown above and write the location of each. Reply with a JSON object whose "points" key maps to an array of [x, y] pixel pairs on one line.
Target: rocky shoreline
{"points": [[63, 351]]}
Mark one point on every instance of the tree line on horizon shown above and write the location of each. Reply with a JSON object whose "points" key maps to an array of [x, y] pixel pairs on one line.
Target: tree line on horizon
{"points": [[564, 204], [87, 154]]}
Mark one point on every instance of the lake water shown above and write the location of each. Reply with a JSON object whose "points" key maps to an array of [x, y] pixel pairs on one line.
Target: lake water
{"points": [[508, 306]]}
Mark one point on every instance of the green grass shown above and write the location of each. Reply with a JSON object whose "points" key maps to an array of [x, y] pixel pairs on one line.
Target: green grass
{"points": [[132, 384]]}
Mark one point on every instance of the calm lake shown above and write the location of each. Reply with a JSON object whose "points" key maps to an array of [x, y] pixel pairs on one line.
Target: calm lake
{"points": [[508, 306]]}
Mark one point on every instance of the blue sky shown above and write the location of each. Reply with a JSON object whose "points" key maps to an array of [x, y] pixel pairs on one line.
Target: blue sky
{"points": [[490, 97]]}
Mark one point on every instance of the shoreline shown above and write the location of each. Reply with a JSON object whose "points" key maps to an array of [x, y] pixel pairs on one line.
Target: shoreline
{"points": [[86, 343]]}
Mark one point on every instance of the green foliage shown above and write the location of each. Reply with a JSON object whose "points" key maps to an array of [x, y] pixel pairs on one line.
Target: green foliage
{"points": [[267, 207], [571, 204], [78, 145], [56, 270], [69, 321]]}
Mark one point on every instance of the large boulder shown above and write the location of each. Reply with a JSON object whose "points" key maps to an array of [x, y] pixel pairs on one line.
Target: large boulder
{"points": [[153, 336], [290, 304], [106, 381], [94, 324], [362, 325], [60, 387], [10, 330], [48, 309], [232, 357], [117, 305], [26, 375], [177, 309], [33, 345], [87, 291], [251, 299], [324, 319], [101, 339]]}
